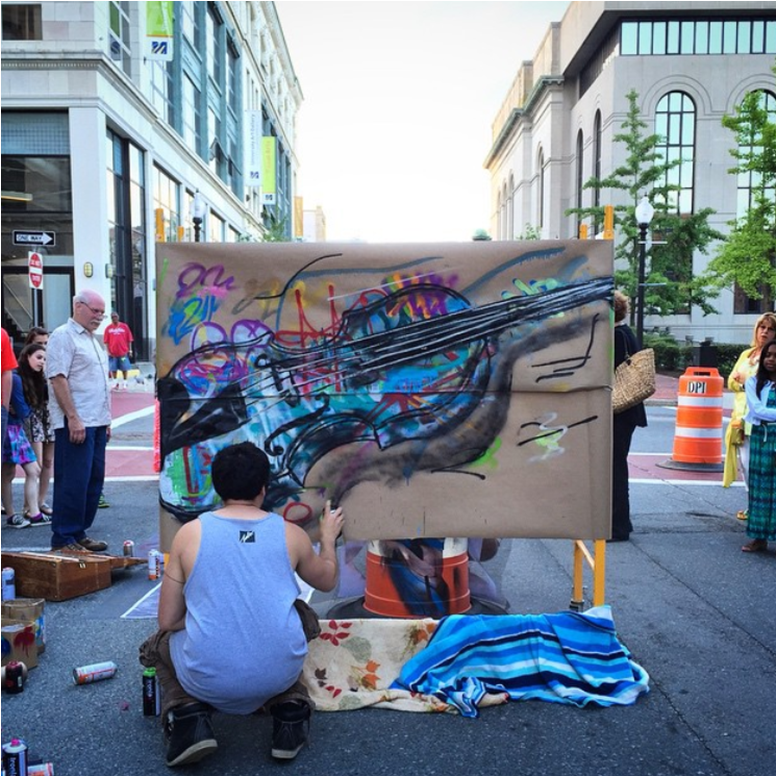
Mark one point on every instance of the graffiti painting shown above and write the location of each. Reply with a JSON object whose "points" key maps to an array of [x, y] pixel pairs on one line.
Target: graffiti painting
{"points": [[434, 390]]}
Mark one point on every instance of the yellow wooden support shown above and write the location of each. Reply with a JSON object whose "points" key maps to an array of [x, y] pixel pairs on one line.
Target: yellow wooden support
{"points": [[596, 562]]}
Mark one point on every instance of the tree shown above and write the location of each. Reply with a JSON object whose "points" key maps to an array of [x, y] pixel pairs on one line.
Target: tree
{"points": [[530, 232], [747, 256], [672, 286], [274, 228]]}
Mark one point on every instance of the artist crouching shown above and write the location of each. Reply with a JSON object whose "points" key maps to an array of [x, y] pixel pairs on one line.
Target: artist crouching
{"points": [[228, 585]]}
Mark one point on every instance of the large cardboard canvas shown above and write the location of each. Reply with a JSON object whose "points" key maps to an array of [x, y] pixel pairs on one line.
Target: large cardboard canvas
{"points": [[433, 390]]}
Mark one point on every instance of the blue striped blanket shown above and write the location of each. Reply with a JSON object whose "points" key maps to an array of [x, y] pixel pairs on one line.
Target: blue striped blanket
{"points": [[566, 657]]}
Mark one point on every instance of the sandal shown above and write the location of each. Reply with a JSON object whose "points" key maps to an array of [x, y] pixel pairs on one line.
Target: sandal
{"points": [[742, 515], [755, 546], [46, 509]]}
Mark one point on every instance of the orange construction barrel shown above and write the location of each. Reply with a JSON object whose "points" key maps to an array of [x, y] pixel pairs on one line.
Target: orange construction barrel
{"points": [[417, 578], [698, 437]]}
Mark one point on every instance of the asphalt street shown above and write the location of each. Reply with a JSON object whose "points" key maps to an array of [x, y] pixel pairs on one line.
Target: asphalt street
{"points": [[696, 612]]}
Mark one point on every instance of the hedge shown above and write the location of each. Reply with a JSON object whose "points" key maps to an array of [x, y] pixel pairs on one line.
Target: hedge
{"points": [[672, 356]]}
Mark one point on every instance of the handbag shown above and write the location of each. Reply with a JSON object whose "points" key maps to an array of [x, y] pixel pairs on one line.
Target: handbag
{"points": [[737, 431], [635, 380]]}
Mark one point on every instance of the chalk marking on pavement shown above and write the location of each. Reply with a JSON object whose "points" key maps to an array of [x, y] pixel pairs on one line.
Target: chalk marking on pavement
{"points": [[130, 447], [128, 417], [140, 601]]}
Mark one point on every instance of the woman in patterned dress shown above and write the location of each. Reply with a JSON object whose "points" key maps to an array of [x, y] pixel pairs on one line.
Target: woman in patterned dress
{"points": [[762, 414], [17, 451], [39, 431], [738, 432]]}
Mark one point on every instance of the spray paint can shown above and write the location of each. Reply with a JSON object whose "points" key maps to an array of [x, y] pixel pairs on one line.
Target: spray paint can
{"points": [[94, 672], [15, 757], [129, 548], [156, 565], [15, 673], [151, 696], [40, 769], [9, 583]]}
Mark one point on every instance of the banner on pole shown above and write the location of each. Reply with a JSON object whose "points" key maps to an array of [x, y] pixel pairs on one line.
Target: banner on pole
{"points": [[254, 149], [268, 170], [159, 31]]}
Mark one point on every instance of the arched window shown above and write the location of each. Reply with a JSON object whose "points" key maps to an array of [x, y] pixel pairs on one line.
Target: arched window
{"points": [[676, 124], [751, 188], [541, 190], [579, 180], [597, 165], [749, 183]]}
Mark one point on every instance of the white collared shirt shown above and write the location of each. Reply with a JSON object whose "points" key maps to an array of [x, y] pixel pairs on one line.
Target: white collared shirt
{"points": [[76, 353]]}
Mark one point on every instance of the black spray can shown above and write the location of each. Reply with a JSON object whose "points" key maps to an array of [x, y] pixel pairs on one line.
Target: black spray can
{"points": [[14, 677], [151, 695], [15, 758]]}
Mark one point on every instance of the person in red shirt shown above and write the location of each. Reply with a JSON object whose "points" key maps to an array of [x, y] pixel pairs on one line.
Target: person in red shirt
{"points": [[118, 340], [8, 364]]}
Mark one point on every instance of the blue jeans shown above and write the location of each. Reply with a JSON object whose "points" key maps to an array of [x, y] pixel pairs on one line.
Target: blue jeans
{"points": [[79, 472]]}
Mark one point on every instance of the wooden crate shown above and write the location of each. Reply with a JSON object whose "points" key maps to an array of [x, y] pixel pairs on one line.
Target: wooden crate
{"points": [[56, 577]]}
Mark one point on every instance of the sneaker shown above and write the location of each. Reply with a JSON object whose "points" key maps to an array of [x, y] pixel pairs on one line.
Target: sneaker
{"points": [[103, 501], [71, 547], [189, 734], [290, 728], [17, 521], [95, 546], [41, 519]]}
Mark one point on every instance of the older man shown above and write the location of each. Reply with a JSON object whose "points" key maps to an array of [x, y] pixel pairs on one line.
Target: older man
{"points": [[80, 411]]}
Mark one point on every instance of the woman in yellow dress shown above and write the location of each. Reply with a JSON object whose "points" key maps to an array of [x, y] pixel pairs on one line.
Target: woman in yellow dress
{"points": [[737, 434]]}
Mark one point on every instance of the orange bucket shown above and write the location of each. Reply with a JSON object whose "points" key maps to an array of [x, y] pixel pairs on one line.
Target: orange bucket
{"points": [[698, 438], [397, 586]]}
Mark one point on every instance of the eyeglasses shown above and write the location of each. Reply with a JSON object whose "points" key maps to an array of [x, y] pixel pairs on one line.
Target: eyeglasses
{"points": [[98, 313]]}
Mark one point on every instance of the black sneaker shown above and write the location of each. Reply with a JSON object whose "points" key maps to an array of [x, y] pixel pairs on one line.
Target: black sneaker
{"points": [[190, 734], [290, 728]]}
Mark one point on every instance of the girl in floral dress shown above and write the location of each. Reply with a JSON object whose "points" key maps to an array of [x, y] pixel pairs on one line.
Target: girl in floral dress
{"points": [[18, 451], [38, 429]]}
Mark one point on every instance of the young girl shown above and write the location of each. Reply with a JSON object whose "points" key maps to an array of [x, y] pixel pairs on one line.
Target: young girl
{"points": [[762, 414], [17, 450], [37, 427]]}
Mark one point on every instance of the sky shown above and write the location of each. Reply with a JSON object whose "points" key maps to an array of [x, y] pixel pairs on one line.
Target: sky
{"points": [[399, 98]]}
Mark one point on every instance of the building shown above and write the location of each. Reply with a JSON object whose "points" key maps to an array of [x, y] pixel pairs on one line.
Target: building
{"points": [[691, 64], [314, 225], [124, 123]]}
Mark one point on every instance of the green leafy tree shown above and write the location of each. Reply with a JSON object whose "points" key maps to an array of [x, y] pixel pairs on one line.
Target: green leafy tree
{"points": [[274, 228], [672, 286], [530, 232], [747, 255]]}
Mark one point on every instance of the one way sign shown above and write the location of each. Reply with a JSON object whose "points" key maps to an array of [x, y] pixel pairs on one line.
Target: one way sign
{"points": [[39, 238]]}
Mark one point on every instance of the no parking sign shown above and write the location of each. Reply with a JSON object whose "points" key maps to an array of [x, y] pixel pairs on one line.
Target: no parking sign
{"points": [[35, 270]]}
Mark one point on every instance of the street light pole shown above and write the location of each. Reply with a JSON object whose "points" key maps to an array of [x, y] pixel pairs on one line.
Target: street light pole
{"points": [[198, 213], [644, 214]]}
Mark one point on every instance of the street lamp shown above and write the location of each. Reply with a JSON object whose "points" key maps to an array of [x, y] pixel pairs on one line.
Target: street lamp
{"points": [[199, 208], [644, 215]]}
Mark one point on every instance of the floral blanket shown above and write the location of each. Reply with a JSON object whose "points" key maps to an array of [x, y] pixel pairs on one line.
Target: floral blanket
{"points": [[463, 663]]}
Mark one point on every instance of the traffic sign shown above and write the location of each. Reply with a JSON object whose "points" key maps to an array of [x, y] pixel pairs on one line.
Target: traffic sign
{"points": [[34, 238], [35, 269]]}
